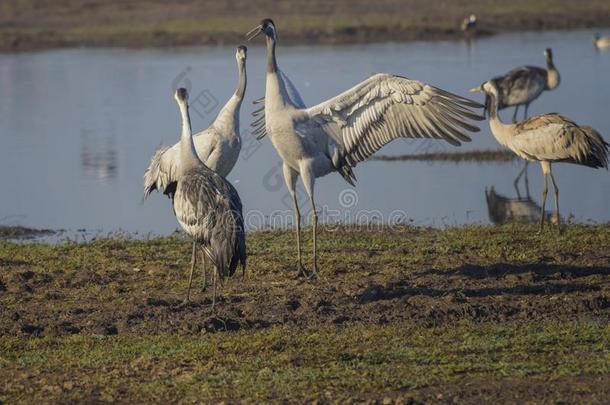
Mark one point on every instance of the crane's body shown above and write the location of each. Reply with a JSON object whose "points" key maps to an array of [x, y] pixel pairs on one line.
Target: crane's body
{"points": [[336, 135], [207, 208], [547, 138]]}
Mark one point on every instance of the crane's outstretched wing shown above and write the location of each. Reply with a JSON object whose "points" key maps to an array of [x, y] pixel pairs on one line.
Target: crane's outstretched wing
{"points": [[386, 107], [291, 92]]}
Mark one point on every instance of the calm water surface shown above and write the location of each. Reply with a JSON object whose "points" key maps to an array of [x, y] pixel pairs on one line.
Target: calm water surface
{"points": [[78, 128]]}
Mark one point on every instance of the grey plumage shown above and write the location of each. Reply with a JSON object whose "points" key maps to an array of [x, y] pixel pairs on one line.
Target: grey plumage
{"points": [[207, 207], [217, 146], [548, 138], [334, 136], [525, 84]]}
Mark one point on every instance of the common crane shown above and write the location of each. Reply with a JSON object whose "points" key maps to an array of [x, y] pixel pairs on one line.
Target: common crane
{"points": [[337, 134]]}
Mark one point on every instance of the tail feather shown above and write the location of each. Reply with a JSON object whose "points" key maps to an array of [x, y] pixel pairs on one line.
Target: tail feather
{"points": [[597, 155], [154, 176]]}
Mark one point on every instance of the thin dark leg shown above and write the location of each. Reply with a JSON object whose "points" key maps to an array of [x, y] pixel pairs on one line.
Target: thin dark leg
{"points": [[556, 192], [526, 179], [544, 193], [515, 114], [314, 221], [193, 260], [527, 106], [205, 273], [215, 276], [297, 222]]}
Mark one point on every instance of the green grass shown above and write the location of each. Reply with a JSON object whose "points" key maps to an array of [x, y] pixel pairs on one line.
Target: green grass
{"points": [[278, 363], [360, 358]]}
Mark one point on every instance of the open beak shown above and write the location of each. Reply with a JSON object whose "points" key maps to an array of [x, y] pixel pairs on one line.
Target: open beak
{"points": [[253, 33]]}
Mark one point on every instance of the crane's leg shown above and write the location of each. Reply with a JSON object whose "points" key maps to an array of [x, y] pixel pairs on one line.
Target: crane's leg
{"points": [[546, 168], [515, 114], [290, 177], [214, 276], [193, 260], [203, 266], [526, 180], [308, 180], [527, 106], [556, 192]]}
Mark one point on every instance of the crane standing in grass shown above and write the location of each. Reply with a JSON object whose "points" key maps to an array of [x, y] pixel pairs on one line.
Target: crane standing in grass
{"points": [[547, 139], [207, 207], [217, 146], [337, 134], [521, 86]]}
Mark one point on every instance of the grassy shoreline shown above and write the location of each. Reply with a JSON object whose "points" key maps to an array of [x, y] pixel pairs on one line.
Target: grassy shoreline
{"points": [[404, 313], [35, 24]]}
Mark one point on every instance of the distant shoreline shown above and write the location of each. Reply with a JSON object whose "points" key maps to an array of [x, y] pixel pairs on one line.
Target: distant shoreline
{"points": [[31, 25]]}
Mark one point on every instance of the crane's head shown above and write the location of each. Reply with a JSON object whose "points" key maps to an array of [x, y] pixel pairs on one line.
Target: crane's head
{"points": [[548, 54], [266, 27], [241, 53], [490, 87], [181, 95]]}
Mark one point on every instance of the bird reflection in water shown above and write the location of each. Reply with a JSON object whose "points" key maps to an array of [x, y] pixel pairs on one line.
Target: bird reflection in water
{"points": [[98, 156], [504, 210]]}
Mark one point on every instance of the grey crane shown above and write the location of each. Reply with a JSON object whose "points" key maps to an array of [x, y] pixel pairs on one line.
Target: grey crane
{"points": [[601, 42], [207, 207], [218, 146], [524, 84], [339, 133], [469, 24], [547, 138], [521, 86]]}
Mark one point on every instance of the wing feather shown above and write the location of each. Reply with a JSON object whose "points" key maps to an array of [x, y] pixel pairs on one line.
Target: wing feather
{"points": [[386, 107]]}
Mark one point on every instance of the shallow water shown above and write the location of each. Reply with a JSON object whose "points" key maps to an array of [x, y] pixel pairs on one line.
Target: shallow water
{"points": [[79, 126]]}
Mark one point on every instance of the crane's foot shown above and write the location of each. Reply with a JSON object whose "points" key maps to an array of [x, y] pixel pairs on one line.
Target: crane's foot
{"points": [[560, 228], [301, 272], [183, 304]]}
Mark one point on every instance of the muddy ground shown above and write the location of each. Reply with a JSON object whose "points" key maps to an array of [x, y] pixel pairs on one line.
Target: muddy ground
{"points": [[407, 276], [40, 24]]}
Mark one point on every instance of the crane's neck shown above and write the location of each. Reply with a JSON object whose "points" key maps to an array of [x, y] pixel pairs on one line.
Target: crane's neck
{"points": [[552, 77], [227, 121], [274, 87], [188, 156], [271, 62], [499, 130]]}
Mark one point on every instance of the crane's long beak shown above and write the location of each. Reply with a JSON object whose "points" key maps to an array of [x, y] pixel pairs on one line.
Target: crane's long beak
{"points": [[253, 33], [476, 89]]}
